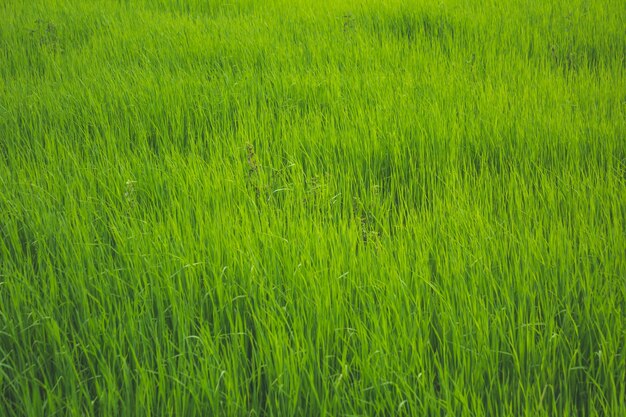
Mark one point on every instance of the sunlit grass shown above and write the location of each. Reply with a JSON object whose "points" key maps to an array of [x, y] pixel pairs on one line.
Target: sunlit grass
{"points": [[261, 208]]}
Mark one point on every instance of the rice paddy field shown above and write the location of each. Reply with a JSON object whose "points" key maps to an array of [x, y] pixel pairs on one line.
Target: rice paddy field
{"points": [[294, 208]]}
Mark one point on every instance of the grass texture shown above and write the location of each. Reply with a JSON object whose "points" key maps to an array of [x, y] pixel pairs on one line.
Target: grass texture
{"points": [[351, 208]]}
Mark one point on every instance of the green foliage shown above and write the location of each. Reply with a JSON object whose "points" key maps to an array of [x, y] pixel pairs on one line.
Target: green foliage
{"points": [[274, 209]]}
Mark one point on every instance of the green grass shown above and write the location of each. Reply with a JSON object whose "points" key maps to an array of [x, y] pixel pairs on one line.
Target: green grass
{"points": [[264, 208]]}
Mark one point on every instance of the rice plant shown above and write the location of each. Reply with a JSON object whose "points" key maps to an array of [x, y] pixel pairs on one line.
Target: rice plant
{"points": [[351, 208]]}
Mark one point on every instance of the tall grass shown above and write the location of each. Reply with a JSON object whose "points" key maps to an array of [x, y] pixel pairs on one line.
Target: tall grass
{"points": [[273, 209]]}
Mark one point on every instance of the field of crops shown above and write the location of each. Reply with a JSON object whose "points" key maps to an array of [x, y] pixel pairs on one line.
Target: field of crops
{"points": [[294, 208]]}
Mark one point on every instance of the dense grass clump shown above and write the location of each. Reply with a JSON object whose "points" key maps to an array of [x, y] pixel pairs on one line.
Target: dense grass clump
{"points": [[265, 208]]}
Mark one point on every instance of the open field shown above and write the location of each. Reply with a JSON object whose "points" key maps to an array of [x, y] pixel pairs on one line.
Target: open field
{"points": [[273, 208]]}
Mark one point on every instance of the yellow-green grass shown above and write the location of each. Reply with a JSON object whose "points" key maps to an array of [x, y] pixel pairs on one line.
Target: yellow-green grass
{"points": [[272, 208]]}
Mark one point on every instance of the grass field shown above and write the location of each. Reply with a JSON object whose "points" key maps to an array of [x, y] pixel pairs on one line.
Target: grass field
{"points": [[350, 208]]}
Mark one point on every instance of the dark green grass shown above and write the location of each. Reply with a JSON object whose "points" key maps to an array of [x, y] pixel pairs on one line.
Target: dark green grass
{"points": [[269, 209]]}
